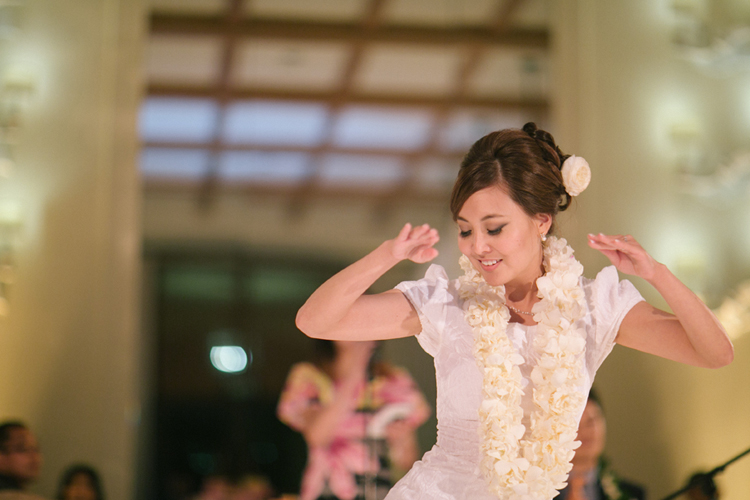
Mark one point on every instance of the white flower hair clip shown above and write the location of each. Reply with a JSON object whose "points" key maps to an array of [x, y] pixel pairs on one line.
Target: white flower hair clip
{"points": [[576, 175]]}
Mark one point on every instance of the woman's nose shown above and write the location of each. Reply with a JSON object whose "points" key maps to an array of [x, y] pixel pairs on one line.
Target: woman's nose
{"points": [[480, 244]]}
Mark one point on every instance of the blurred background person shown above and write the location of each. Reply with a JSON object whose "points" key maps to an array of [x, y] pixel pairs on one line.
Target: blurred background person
{"points": [[591, 477], [80, 482], [214, 487], [252, 487], [358, 418], [20, 461]]}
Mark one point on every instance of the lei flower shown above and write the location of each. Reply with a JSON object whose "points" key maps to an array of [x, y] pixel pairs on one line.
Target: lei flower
{"points": [[517, 464]]}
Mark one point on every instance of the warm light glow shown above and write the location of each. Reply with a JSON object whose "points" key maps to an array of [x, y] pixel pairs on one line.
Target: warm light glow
{"points": [[229, 358], [734, 312], [6, 167], [676, 121]]}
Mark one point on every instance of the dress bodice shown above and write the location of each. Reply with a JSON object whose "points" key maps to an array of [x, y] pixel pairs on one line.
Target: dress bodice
{"points": [[450, 469]]}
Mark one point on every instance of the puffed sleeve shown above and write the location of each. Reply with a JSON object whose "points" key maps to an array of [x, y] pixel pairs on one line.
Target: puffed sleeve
{"points": [[609, 300], [430, 297]]}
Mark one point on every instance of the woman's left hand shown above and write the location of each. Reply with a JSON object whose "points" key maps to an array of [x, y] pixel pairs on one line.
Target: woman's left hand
{"points": [[627, 255]]}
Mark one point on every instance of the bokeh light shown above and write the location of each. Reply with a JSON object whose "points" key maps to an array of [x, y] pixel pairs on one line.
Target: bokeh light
{"points": [[229, 358]]}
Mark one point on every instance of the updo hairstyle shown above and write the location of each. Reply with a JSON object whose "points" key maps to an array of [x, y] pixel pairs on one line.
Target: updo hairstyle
{"points": [[526, 163]]}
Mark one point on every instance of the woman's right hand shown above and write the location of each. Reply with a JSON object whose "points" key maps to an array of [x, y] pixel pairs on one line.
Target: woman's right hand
{"points": [[415, 243]]}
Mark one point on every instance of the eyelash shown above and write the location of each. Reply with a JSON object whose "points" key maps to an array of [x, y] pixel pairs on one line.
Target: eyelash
{"points": [[491, 232]]}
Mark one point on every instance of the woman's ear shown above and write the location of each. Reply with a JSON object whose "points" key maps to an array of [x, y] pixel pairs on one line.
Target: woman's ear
{"points": [[543, 222]]}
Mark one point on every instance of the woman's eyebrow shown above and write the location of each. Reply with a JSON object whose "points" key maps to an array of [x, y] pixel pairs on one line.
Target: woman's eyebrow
{"points": [[490, 216]]}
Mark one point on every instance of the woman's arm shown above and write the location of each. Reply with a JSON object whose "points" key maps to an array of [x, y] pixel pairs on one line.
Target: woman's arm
{"points": [[340, 310], [692, 335]]}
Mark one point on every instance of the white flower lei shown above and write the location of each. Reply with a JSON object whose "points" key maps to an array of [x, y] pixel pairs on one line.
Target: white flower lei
{"points": [[535, 467]]}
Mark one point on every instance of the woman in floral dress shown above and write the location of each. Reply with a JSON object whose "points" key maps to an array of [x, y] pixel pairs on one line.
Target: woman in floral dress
{"points": [[358, 418], [518, 338]]}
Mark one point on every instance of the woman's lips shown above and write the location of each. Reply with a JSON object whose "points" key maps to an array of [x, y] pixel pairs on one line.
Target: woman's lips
{"points": [[489, 264]]}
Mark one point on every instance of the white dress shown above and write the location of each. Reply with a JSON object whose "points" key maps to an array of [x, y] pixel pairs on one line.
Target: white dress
{"points": [[450, 470]]}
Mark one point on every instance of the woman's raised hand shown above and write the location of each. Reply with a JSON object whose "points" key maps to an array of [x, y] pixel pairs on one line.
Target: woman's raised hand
{"points": [[415, 243], [626, 254]]}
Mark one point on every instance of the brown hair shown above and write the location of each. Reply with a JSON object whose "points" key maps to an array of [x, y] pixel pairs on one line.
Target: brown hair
{"points": [[5, 432], [525, 162]]}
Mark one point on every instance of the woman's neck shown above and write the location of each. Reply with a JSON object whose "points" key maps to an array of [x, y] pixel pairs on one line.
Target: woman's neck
{"points": [[522, 297], [524, 289]]}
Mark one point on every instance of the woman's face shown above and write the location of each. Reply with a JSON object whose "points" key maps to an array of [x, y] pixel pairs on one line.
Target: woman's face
{"points": [[502, 242], [80, 488], [592, 432]]}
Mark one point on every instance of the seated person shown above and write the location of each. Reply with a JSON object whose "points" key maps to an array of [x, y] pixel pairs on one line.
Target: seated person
{"points": [[80, 482], [20, 461], [591, 478], [358, 418]]}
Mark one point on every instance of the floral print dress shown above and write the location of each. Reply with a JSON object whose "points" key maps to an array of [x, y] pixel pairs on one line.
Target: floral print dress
{"points": [[356, 464]]}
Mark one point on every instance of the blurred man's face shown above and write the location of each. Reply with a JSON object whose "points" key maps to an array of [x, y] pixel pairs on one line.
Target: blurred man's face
{"points": [[20, 457], [591, 433]]}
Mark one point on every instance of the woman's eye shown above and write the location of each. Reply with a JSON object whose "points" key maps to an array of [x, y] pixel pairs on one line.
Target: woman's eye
{"points": [[493, 232], [464, 234]]}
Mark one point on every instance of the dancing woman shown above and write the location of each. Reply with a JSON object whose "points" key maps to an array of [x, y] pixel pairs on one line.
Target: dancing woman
{"points": [[518, 338]]}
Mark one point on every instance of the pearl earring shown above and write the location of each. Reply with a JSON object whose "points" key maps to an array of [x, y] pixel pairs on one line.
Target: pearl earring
{"points": [[544, 237]]}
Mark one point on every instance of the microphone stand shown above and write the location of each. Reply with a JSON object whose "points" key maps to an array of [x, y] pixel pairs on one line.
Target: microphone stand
{"points": [[708, 477]]}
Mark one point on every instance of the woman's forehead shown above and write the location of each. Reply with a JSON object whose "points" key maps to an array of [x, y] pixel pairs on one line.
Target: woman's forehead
{"points": [[489, 202]]}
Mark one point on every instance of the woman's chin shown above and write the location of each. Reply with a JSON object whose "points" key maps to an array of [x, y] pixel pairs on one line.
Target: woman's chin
{"points": [[493, 279]]}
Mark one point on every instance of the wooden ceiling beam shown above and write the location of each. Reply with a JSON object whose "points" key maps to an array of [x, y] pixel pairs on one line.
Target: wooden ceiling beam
{"points": [[171, 24], [317, 192], [430, 151], [369, 24], [330, 97], [470, 63], [231, 18]]}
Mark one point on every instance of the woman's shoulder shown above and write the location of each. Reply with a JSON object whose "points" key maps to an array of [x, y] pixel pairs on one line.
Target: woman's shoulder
{"points": [[308, 373], [435, 273], [606, 277], [434, 285], [608, 294], [306, 381]]}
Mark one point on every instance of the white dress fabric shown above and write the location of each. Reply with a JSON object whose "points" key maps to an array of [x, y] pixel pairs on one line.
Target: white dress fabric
{"points": [[450, 471]]}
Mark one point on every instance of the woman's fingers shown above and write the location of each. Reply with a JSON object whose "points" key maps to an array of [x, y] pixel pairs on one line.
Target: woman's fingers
{"points": [[423, 234], [415, 243], [624, 243], [625, 253], [610, 238], [420, 231], [404, 233], [425, 254]]}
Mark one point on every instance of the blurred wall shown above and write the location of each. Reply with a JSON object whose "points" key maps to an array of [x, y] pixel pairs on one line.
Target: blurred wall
{"points": [[69, 351], [624, 100]]}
